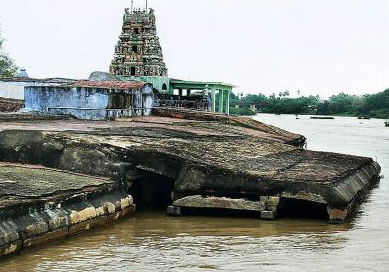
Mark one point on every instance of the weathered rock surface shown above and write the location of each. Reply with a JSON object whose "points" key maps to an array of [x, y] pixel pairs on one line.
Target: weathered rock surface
{"points": [[39, 205], [207, 155], [198, 201], [10, 105], [29, 117], [246, 125]]}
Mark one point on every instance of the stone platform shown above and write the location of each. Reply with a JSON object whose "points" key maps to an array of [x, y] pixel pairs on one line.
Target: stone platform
{"points": [[39, 205], [241, 162]]}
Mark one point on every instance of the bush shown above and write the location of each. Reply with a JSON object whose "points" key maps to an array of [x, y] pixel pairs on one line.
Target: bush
{"points": [[242, 111]]}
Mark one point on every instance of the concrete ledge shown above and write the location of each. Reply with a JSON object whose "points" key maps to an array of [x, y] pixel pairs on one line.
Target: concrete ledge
{"points": [[198, 201], [266, 206], [65, 204], [40, 234]]}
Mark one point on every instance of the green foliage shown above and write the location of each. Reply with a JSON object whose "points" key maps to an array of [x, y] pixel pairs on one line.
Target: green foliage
{"points": [[260, 98], [373, 102], [290, 105], [370, 105], [234, 99], [381, 113], [7, 66], [344, 103], [242, 111]]}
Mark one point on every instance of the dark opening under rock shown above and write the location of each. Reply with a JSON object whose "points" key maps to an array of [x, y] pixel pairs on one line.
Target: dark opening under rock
{"points": [[216, 162]]}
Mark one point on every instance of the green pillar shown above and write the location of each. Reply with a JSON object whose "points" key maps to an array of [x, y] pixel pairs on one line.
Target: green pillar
{"points": [[213, 93], [228, 102], [221, 101]]}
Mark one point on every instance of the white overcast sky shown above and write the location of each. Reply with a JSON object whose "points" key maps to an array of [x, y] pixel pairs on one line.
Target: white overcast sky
{"points": [[320, 47]]}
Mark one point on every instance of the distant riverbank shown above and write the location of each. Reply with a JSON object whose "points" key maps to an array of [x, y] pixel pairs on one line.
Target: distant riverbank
{"points": [[366, 106], [249, 112]]}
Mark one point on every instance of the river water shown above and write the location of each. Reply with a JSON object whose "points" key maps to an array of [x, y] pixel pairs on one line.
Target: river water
{"points": [[151, 241]]}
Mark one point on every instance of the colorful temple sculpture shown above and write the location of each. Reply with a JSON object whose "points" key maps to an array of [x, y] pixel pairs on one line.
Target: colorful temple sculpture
{"points": [[136, 84], [138, 56], [138, 53]]}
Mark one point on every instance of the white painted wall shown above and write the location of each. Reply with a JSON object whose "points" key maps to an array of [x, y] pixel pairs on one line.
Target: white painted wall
{"points": [[15, 89], [12, 89]]}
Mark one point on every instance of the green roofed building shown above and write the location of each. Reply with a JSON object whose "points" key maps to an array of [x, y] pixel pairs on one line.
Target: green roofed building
{"points": [[138, 56]]}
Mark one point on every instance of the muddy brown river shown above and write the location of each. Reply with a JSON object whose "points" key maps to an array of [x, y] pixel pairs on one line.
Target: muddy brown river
{"points": [[151, 241]]}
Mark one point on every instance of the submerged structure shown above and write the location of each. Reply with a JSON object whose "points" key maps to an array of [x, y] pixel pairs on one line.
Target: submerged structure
{"points": [[184, 161], [60, 175]]}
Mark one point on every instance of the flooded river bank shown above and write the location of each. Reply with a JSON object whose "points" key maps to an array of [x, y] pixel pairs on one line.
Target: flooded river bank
{"points": [[151, 241]]}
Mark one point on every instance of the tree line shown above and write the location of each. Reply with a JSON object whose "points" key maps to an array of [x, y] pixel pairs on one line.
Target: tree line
{"points": [[369, 105], [7, 66]]}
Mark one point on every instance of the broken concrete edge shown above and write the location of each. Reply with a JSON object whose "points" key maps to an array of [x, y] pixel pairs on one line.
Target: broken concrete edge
{"points": [[44, 224]]}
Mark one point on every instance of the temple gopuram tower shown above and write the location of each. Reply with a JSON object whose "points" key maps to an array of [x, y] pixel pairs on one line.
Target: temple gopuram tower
{"points": [[138, 53], [138, 56]]}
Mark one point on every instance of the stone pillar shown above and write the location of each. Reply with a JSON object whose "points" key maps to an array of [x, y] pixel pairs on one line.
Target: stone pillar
{"points": [[221, 101], [337, 215], [213, 93], [271, 205], [228, 102]]}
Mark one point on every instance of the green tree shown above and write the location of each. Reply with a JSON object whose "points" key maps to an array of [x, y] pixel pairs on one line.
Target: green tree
{"points": [[252, 98], [324, 108], [233, 98], [341, 103], [373, 105], [7, 65]]}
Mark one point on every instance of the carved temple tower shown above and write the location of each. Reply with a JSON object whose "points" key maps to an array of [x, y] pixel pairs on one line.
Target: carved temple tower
{"points": [[138, 52], [138, 56]]}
